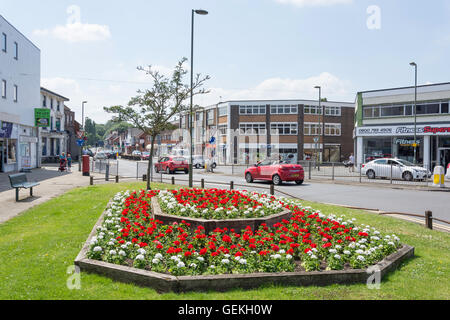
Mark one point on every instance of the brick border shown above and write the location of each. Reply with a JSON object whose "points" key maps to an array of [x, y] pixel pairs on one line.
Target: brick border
{"points": [[211, 225], [168, 283]]}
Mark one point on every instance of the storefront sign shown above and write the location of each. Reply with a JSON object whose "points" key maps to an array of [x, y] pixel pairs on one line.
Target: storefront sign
{"points": [[407, 142], [42, 118], [6, 130], [422, 130]]}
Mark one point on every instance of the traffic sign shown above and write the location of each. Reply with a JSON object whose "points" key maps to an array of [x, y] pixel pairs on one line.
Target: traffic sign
{"points": [[80, 142]]}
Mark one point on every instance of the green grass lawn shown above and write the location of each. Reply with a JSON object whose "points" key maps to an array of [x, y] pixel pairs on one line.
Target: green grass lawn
{"points": [[37, 247]]}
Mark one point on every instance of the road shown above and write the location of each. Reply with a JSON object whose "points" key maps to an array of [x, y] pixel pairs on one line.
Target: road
{"points": [[386, 199]]}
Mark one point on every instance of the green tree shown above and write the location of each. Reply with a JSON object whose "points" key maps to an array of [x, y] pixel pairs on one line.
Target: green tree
{"points": [[152, 109]]}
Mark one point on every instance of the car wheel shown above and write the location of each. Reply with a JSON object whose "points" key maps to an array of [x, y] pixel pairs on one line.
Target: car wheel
{"points": [[277, 180], [371, 174], [249, 178], [197, 166], [300, 182], [407, 176], [214, 165], [186, 171], [156, 169]]}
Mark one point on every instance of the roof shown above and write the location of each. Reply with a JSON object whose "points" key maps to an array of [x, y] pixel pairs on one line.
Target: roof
{"points": [[410, 87], [55, 94], [19, 32]]}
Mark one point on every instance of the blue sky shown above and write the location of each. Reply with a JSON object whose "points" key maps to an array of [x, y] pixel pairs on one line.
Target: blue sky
{"points": [[265, 49]]}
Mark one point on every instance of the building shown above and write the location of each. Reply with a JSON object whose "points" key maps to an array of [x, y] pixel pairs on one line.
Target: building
{"points": [[244, 132], [53, 137], [20, 73], [385, 124], [72, 127]]}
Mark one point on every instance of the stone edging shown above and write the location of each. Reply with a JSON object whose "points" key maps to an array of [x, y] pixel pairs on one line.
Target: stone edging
{"points": [[168, 283], [211, 225]]}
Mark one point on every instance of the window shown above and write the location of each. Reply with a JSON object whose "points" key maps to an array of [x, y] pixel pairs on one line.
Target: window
{"points": [[312, 129], [4, 42], [15, 93], [16, 51], [58, 105], [44, 101], [444, 108], [333, 129], [51, 103], [287, 109], [223, 111], [283, 129], [58, 124], [210, 117], [333, 111], [313, 110], [401, 110], [252, 110], [4, 89], [223, 130], [51, 123], [199, 117], [252, 129]]}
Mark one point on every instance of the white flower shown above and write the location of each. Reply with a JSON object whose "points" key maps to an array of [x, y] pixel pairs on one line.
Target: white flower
{"points": [[113, 252], [193, 265], [155, 261], [282, 251], [243, 261], [140, 257], [181, 264], [347, 252], [337, 256], [201, 259], [225, 261], [141, 251], [288, 256], [333, 251], [98, 249], [122, 253], [361, 258], [158, 256], [313, 256]]}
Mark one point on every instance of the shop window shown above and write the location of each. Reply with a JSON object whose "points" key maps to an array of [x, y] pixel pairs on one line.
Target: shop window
{"points": [[444, 108], [12, 147]]}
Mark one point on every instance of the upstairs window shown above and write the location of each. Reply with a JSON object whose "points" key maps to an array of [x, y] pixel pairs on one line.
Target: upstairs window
{"points": [[16, 92], [16, 51], [4, 89], [4, 42]]}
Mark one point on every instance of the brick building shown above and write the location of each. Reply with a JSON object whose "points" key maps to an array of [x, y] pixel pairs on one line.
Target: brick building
{"points": [[246, 131]]}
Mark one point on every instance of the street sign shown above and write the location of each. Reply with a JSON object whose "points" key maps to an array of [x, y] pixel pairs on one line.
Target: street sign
{"points": [[316, 139], [80, 134], [80, 142], [42, 118]]}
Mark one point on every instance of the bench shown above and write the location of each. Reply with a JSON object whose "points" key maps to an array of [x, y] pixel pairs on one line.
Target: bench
{"points": [[19, 181]]}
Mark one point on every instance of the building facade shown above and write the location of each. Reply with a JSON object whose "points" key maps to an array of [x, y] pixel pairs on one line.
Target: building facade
{"points": [[243, 132], [53, 139], [385, 125], [72, 127], [20, 72]]}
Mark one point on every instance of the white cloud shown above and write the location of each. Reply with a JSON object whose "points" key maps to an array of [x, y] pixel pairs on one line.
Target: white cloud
{"points": [[77, 32], [314, 3], [333, 88]]}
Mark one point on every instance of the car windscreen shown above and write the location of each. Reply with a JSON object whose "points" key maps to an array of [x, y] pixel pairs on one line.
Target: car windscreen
{"points": [[405, 163], [179, 159]]}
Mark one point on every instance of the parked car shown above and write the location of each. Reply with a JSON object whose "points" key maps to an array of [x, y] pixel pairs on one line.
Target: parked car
{"points": [[101, 156], [377, 156], [275, 171], [136, 153], [171, 165], [198, 162], [401, 170], [145, 156]]}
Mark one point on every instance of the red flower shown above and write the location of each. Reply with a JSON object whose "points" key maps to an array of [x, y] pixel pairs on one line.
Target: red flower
{"points": [[188, 254]]}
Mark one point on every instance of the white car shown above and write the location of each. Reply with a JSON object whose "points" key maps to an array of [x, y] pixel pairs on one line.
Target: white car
{"points": [[400, 170]]}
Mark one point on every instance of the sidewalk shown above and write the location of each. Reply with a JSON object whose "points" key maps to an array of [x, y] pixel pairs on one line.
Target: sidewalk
{"points": [[52, 184]]}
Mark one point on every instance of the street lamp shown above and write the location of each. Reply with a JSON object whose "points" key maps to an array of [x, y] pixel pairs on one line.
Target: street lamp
{"points": [[203, 13], [320, 127], [82, 130], [413, 64]]}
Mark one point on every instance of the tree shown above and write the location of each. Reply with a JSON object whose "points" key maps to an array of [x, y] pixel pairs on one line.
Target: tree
{"points": [[152, 109]]}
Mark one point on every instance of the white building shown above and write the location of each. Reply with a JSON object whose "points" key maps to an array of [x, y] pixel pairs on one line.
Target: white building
{"points": [[53, 139], [20, 73], [385, 125]]}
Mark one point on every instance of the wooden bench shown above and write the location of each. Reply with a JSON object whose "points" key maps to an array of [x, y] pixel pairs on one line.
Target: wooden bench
{"points": [[19, 181]]}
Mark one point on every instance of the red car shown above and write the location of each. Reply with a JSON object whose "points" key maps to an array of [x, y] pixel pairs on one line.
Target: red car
{"points": [[275, 171], [171, 165]]}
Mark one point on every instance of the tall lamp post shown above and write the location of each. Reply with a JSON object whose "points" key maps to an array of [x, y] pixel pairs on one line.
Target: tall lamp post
{"points": [[320, 127], [82, 130], [413, 64], [191, 167]]}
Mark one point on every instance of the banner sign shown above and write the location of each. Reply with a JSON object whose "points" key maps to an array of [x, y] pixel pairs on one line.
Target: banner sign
{"points": [[6, 130], [42, 118], [422, 130]]}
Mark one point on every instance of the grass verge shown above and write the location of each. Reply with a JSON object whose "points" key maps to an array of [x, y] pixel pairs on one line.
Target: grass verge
{"points": [[37, 247]]}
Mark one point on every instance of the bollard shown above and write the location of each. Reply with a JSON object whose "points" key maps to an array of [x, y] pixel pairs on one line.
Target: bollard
{"points": [[203, 183], [333, 172], [173, 180], [392, 171], [429, 220], [107, 173], [92, 181], [310, 169], [272, 189], [439, 177], [231, 185], [117, 179], [144, 177], [360, 173]]}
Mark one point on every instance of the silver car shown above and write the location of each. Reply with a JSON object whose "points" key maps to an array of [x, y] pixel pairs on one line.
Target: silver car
{"points": [[398, 169]]}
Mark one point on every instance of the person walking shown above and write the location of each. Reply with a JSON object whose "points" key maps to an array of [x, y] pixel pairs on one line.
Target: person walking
{"points": [[62, 162], [69, 162], [351, 163]]}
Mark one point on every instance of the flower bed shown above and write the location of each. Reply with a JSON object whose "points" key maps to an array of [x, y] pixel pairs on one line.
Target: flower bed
{"points": [[218, 204], [309, 241]]}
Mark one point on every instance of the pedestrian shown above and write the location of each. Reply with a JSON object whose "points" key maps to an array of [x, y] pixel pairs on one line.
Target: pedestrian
{"points": [[69, 162], [62, 162], [351, 163]]}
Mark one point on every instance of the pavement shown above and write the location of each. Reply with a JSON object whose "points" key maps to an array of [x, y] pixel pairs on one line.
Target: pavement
{"points": [[52, 184]]}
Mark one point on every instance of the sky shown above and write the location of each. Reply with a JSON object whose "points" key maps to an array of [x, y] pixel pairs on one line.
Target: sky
{"points": [[251, 49]]}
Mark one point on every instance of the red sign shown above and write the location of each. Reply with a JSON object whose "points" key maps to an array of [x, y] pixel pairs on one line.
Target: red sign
{"points": [[436, 130]]}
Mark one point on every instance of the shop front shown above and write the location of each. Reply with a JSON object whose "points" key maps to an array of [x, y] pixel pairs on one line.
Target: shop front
{"points": [[432, 144]]}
